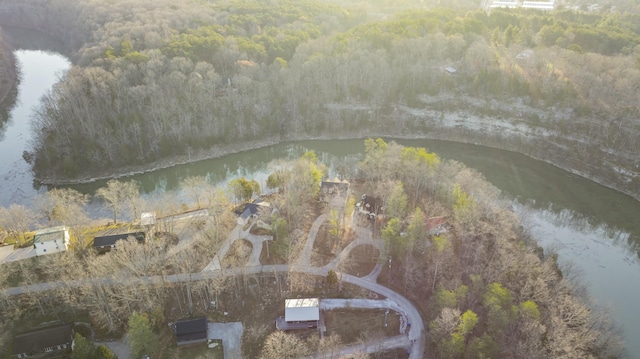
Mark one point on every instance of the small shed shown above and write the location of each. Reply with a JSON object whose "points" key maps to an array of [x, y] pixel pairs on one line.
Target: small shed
{"points": [[43, 341], [106, 243], [450, 70], [51, 240], [191, 331]]}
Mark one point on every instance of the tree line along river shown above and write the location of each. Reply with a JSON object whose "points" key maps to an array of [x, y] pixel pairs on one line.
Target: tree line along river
{"points": [[594, 227]]}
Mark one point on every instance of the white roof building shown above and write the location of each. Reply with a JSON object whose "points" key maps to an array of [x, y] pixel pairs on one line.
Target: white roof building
{"points": [[51, 240], [301, 310]]}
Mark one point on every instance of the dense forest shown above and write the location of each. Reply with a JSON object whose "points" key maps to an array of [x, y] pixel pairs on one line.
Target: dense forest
{"points": [[484, 288], [157, 81]]}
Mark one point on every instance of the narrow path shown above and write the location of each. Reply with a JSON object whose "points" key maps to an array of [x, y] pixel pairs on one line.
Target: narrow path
{"points": [[305, 256]]}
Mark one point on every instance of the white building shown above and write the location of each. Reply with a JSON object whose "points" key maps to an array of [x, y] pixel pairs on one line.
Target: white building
{"points": [[302, 313], [51, 240]]}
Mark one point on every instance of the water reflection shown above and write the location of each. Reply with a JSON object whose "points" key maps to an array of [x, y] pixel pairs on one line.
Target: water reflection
{"points": [[7, 106], [608, 265]]}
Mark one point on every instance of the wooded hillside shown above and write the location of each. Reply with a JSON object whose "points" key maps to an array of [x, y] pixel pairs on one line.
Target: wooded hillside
{"points": [[161, 79]]}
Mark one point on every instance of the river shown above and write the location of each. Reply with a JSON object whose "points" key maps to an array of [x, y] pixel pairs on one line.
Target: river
{"points": [[593, 227]]}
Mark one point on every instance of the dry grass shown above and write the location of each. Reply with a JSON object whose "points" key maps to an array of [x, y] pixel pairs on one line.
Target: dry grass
{"points": [[361, 325]]}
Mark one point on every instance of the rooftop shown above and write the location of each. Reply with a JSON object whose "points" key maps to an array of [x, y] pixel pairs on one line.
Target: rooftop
{"points": [[49, 234], [38, 340]]}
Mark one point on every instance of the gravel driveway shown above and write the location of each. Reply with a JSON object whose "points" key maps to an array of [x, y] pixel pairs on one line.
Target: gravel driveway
{"points": [[231, 335]]}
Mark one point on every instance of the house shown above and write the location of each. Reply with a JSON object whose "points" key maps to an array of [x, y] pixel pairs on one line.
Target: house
{"points": [[301, 313], [436, 225], [370, 206], [105, 244], [335, 193], [191, 331], [43, 342], [252, 210], [450, 70], [51, 240]]}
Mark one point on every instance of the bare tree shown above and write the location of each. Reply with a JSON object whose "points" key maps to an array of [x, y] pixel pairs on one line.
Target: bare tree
{"points": [[119, 194], [281, 345], [16, 220], [195, 186]]}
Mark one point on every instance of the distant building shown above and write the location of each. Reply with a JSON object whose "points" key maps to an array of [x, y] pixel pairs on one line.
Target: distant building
{"points": [[539, 5], [51, 240], [503, 4], [451, 70], [43, 342], [105, 244], [301, 313], [191, 331]]}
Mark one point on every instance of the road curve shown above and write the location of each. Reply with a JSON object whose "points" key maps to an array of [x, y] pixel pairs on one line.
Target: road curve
{"points": [[416, 330]]}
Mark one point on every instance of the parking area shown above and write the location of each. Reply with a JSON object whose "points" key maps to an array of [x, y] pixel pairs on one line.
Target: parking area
{"points": [[231, 335], [8, 254]]}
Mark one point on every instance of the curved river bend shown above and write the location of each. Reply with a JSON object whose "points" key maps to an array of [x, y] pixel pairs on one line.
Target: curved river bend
{"points": [[594, 227]]}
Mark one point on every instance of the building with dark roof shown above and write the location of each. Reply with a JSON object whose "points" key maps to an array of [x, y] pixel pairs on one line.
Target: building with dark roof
{"points": [[191, 331], [43, 342], [106, 243]]}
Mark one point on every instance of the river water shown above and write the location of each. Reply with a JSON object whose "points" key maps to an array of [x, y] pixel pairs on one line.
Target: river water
{"points": [[593, 227]]}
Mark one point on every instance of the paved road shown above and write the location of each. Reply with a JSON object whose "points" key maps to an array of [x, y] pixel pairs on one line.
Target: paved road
{"points": [[416, 334], [399, 341], [305, 256]]}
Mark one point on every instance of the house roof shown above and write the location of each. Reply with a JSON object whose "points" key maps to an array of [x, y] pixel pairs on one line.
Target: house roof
{"points": [[112, 239], [301, 310], [371, 203], [50, 234], [37, 340], [148, 218], [188, 330], [252, 208]]}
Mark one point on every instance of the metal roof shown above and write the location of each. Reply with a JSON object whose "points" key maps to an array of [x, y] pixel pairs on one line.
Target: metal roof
{"points": [[50, 234], [301, 309]]}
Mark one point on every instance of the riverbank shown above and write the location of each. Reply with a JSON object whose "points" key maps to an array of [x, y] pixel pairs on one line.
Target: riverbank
{"points": [[537, 142]]}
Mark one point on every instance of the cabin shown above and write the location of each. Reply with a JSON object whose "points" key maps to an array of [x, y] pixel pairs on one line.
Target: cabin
{"points": [[104, 244], [335, 193], [51, 240], [43, 342], [191, 331], [301, 313], [450, 70]]}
